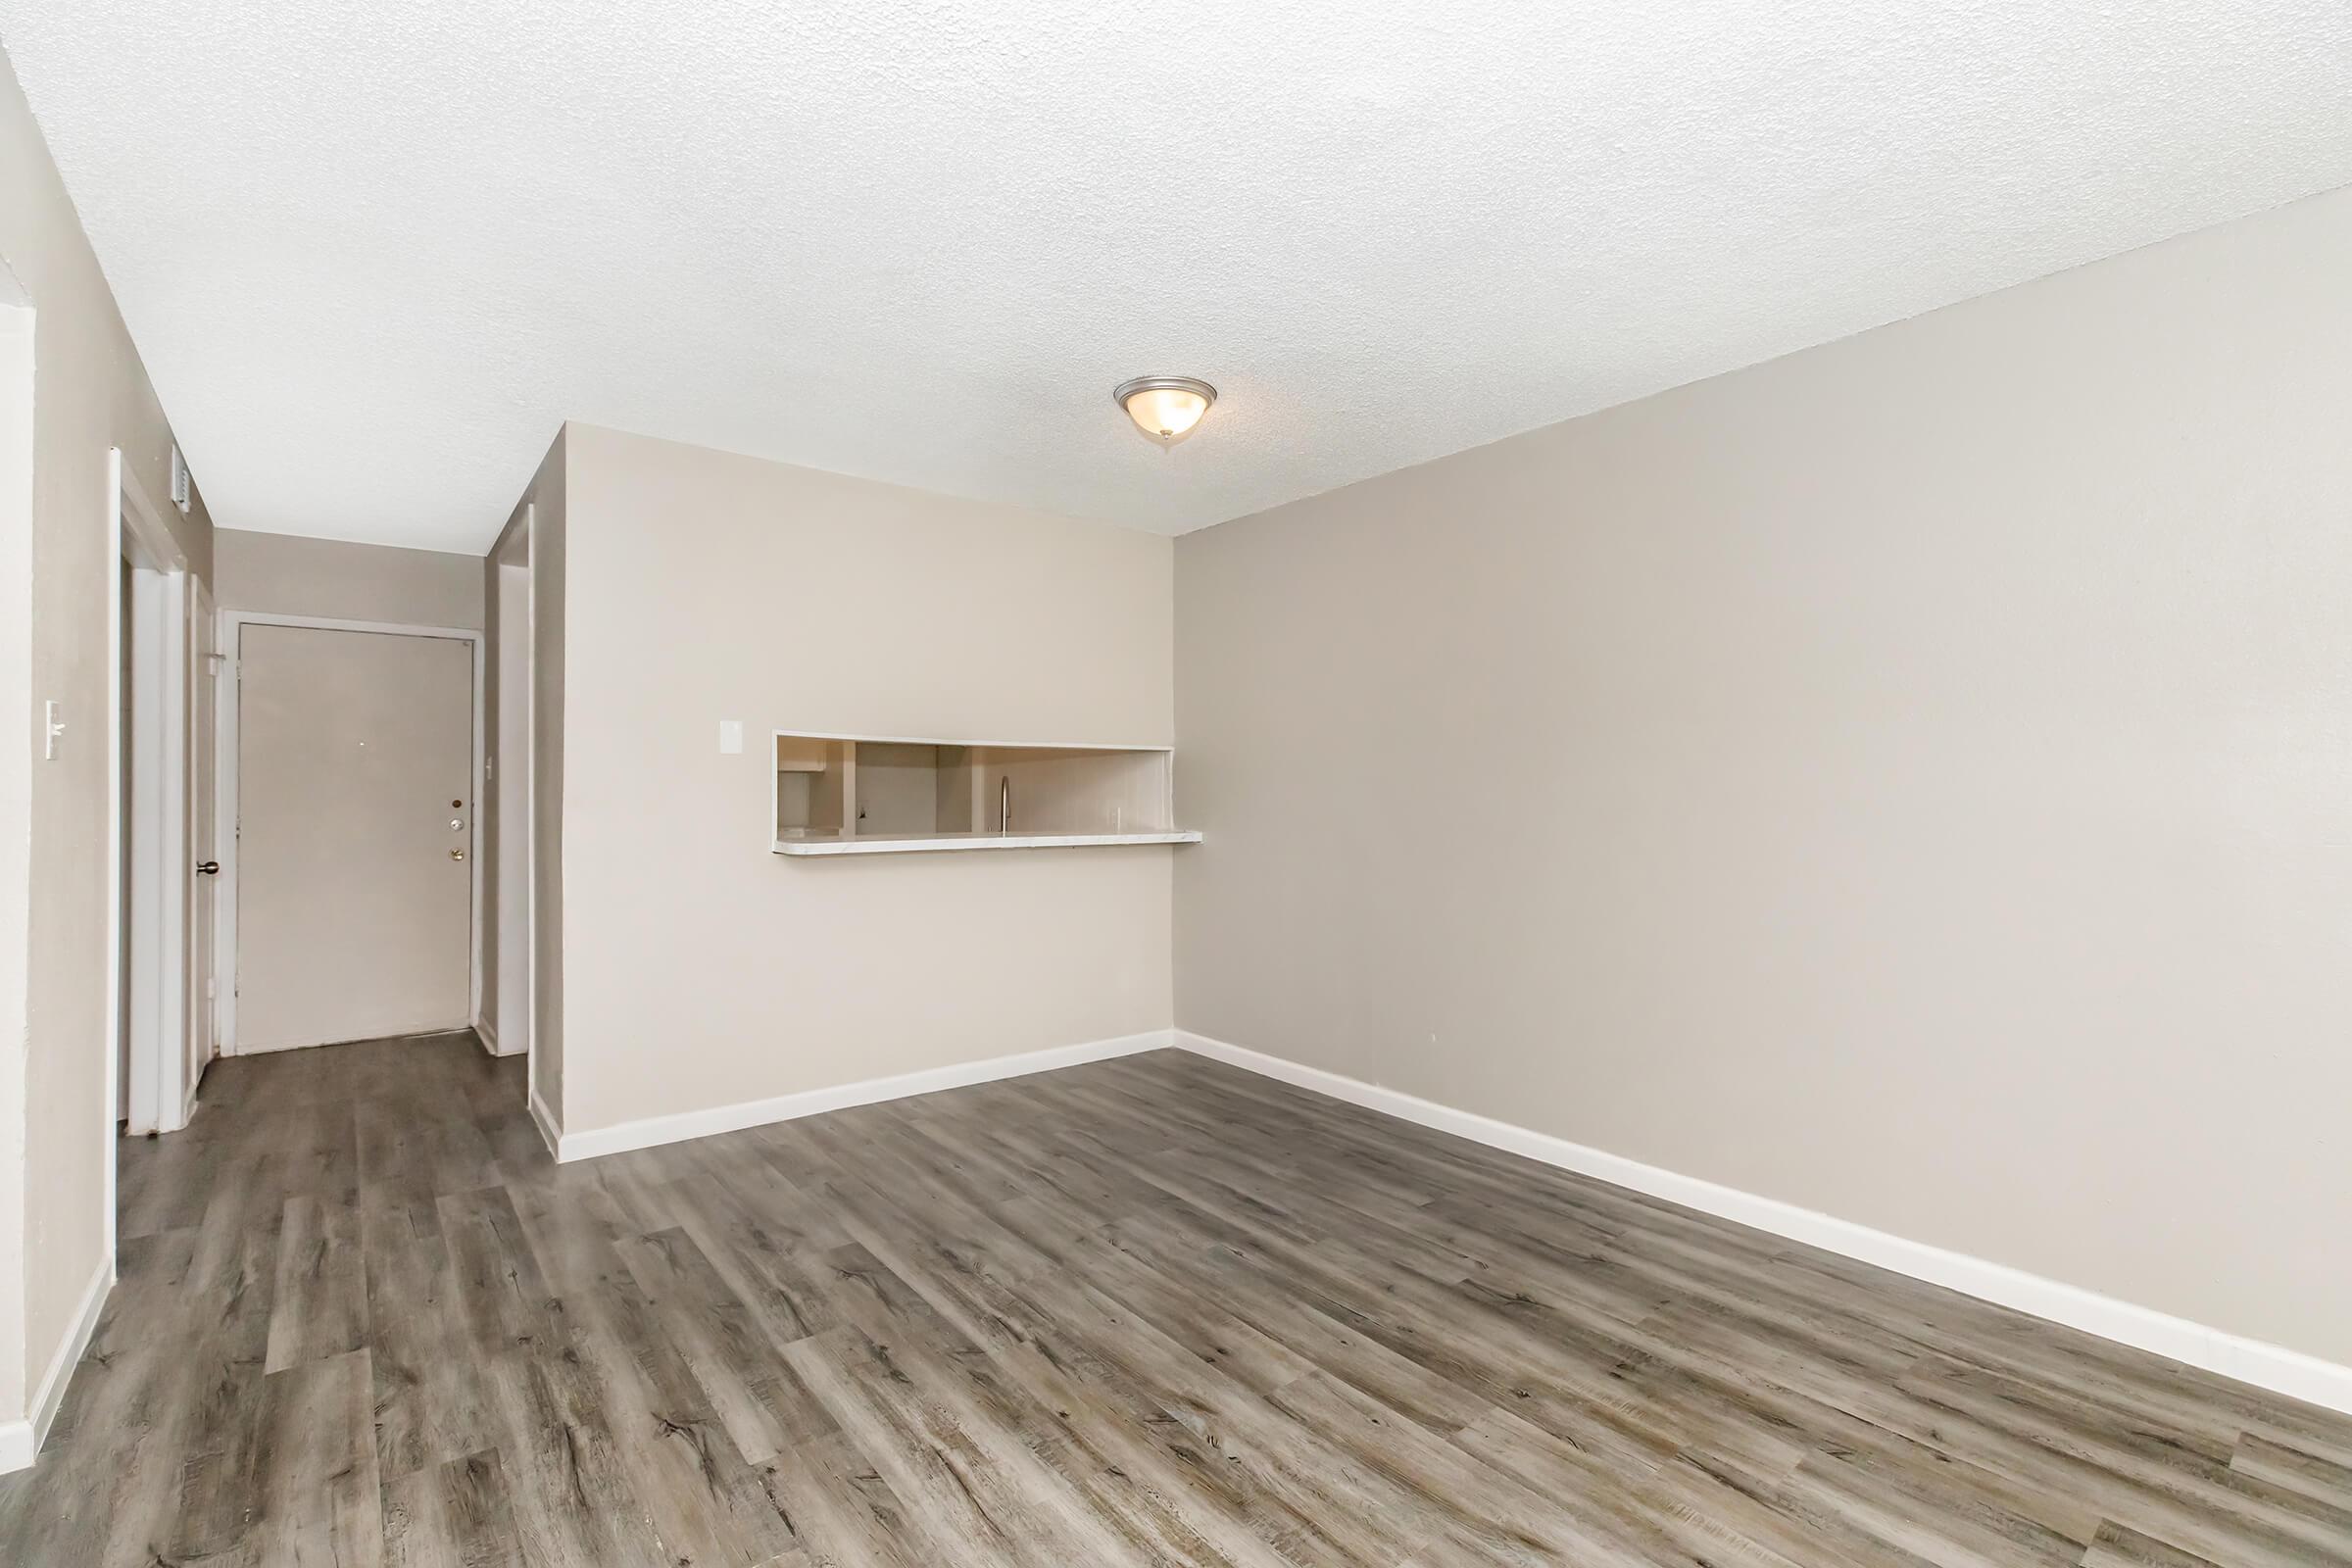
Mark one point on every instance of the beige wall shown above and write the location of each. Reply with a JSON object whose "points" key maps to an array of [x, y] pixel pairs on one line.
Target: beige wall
{"points": [[700, 970], [1911, 779], [328, 579], [90, 393]]}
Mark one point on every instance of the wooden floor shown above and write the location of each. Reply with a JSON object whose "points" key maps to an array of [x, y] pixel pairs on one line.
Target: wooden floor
{"points": [[1152, 1310]]}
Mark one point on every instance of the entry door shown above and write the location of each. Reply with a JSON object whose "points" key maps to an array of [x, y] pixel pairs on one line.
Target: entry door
{"points": [[355, 833]]}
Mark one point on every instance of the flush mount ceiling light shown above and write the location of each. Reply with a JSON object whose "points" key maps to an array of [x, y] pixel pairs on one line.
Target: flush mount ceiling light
{"points": [[1165, 408]]}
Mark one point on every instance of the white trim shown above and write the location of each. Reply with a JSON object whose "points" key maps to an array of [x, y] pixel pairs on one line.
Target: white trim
{"points": [[2268, 1366], [21, 1440], [550, 1127], [178, 867], [134, 530], [509, 933], [24, 715], [224, 924], [487, 1035], [159, 870], [656, 1130], [112, 556], [915, 844], [948, 740], [144, 1099], [389, 628], [551, 1131], [225, 839], [201, 634]]}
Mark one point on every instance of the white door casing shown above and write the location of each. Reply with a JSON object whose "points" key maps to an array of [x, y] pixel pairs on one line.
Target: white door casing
{"points": [[204, 686], [513, 786], [149, 948]]}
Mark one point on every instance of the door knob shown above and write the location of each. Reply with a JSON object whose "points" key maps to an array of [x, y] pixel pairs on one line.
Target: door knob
{"points": [[208, 867]]}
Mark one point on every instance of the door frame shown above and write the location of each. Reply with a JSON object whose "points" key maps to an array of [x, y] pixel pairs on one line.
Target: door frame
{"points": [[158, 956], [204, 674], [224, 836], [517, 998]]}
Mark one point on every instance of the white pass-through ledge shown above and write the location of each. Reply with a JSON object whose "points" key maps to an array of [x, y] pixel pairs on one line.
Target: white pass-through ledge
{"points": [[908, 843]]}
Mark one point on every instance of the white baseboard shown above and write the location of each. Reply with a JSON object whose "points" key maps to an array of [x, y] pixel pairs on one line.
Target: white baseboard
{"points": [[2264, 1365], [673, 1129], [21, 1440], [551, 1129], [488, 1036]]}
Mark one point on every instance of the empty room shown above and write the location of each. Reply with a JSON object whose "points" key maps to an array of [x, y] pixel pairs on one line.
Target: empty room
{"points": [[1283, 785]]}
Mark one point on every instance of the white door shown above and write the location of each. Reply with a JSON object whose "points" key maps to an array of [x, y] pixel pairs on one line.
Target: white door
{"points": [[204, 1003], [354, 829]]}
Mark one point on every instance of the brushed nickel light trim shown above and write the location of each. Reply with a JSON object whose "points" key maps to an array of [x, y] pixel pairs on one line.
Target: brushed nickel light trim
{"points": [[1167, 419]]}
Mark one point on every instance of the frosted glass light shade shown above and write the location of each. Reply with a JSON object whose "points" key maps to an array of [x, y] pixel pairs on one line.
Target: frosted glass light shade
{"points": [[1165, 408]]}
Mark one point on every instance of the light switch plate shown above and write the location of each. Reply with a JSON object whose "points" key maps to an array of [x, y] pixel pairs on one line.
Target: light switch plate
{"points": [[730, 737], [53, 729]]}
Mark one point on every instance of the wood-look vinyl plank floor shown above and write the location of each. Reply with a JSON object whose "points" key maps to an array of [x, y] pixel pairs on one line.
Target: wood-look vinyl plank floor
{"points": [[1147, 1312]]}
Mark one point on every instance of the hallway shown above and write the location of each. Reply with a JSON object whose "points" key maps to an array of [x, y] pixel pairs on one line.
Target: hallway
{"points": [[227, 1406]]}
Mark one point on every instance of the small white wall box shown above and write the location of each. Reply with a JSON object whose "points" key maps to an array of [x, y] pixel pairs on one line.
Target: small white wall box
{"points": [[180, 480]]}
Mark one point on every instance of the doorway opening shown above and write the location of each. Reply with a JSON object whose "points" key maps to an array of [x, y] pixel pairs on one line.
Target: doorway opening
{"points": [[162, 846], [507, 1027]]}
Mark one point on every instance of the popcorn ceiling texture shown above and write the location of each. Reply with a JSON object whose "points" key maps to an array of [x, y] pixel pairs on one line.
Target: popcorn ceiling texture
{"points": [[372, 255]]}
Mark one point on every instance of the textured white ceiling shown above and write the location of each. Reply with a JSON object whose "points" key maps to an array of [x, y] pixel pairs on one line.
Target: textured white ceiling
{"points": [[374, 254]]}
